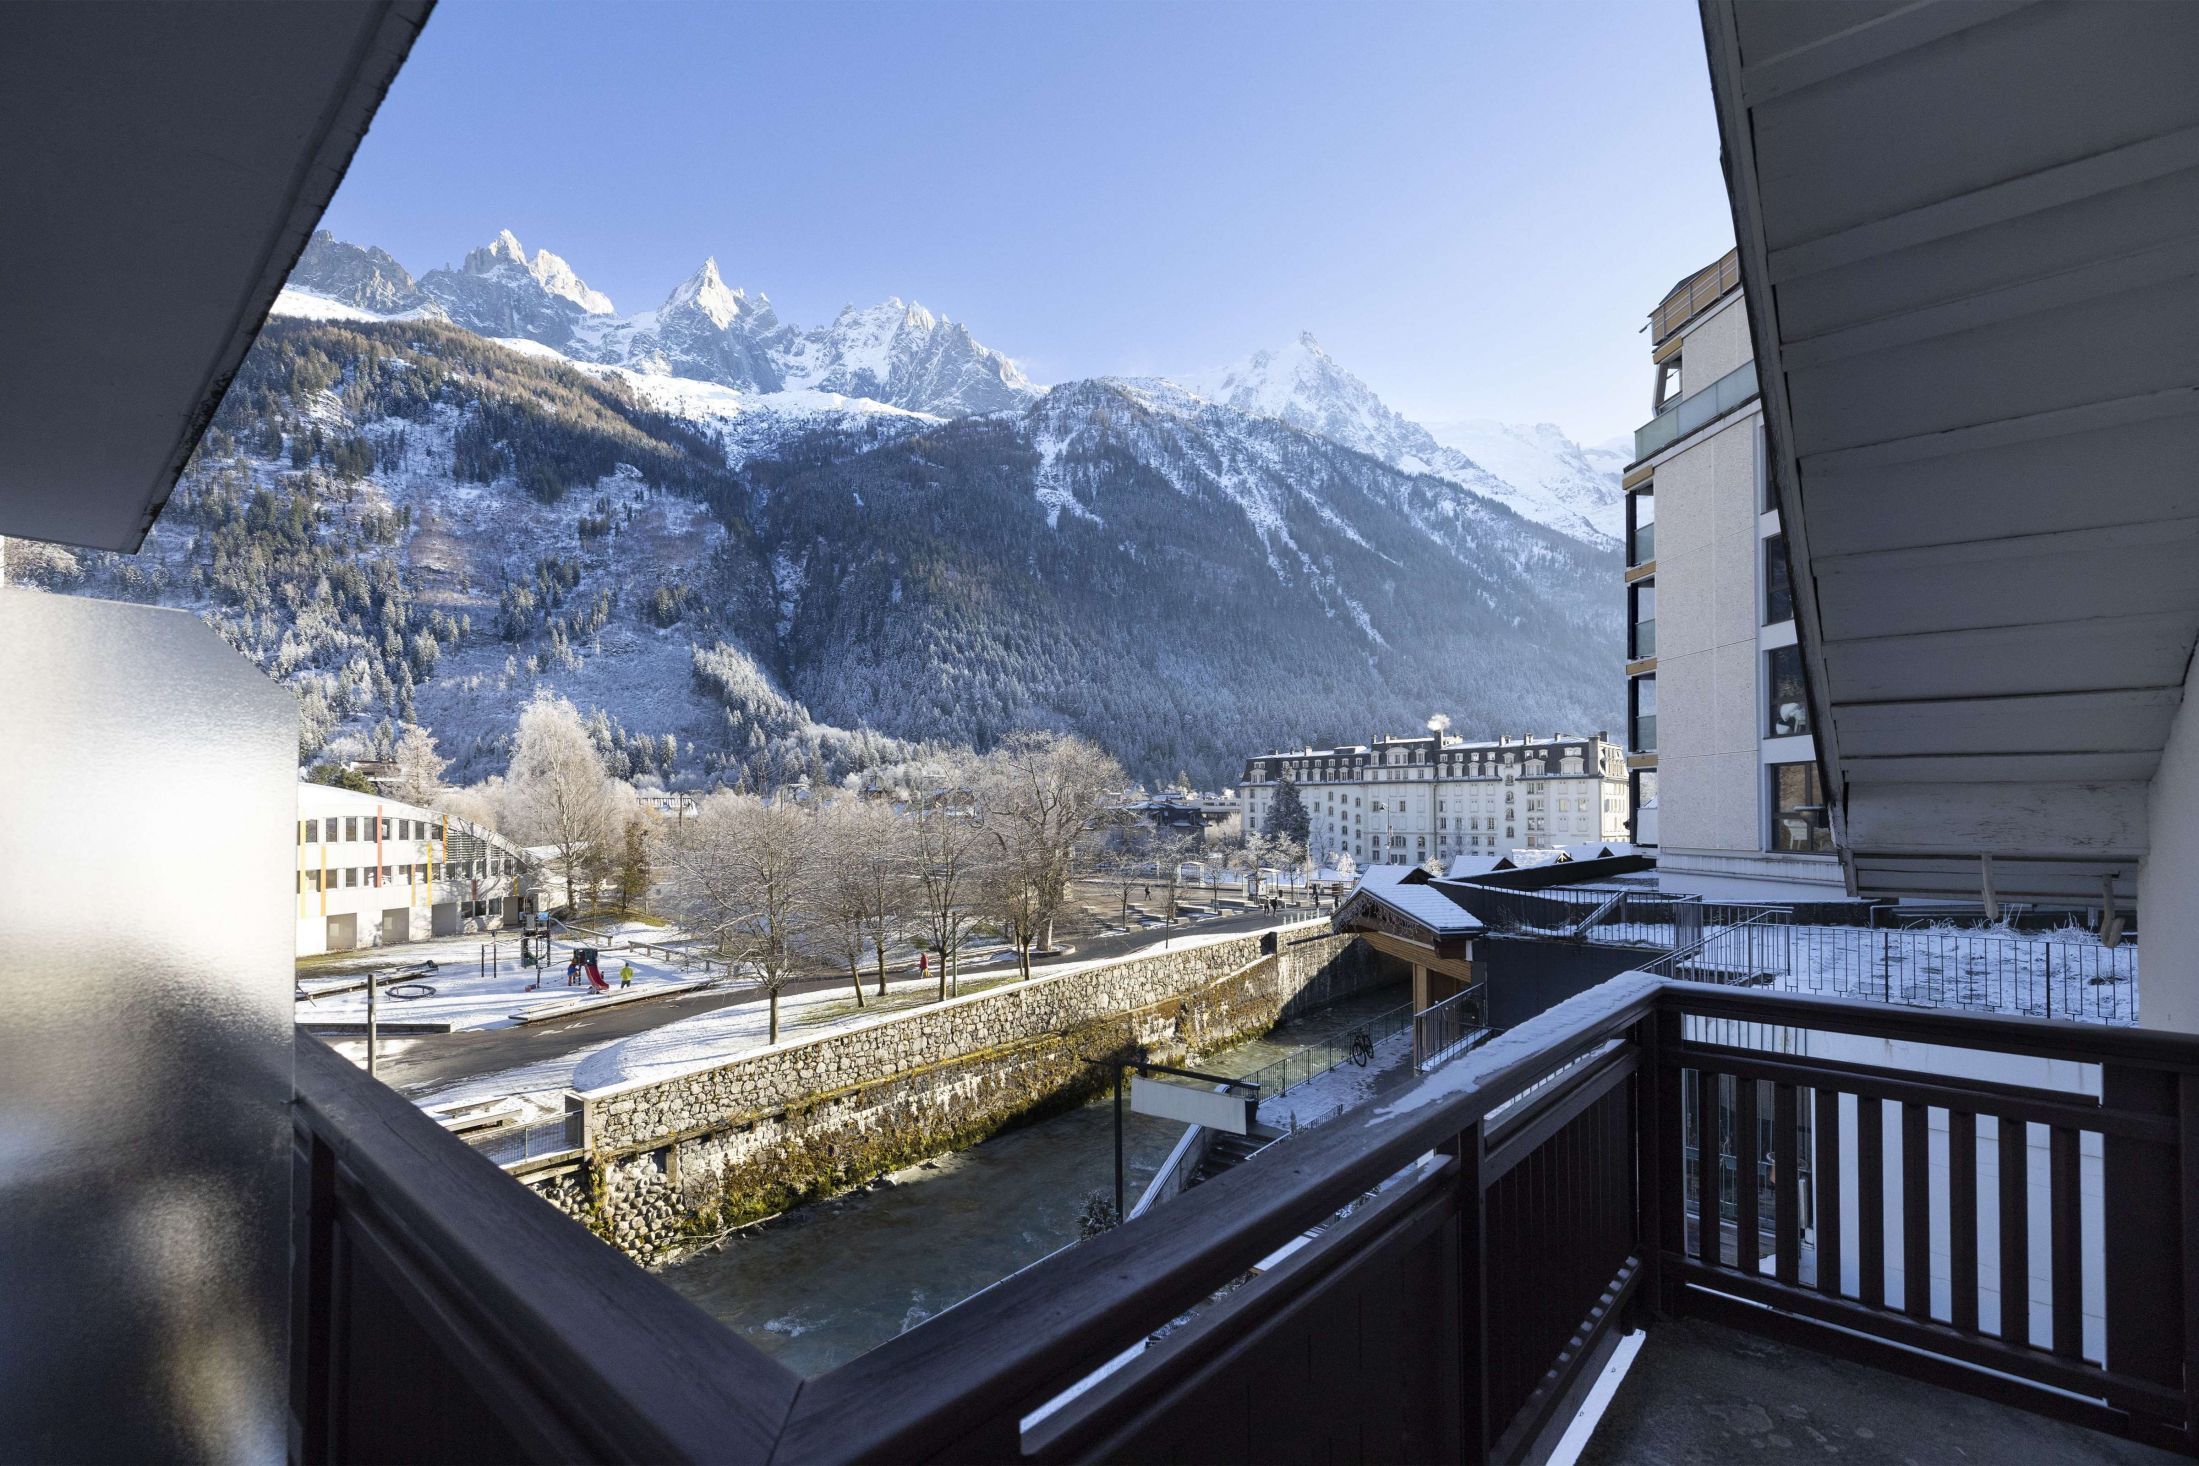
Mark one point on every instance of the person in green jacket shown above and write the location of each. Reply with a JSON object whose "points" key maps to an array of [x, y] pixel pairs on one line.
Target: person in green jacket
{"points": [[626, 974]]}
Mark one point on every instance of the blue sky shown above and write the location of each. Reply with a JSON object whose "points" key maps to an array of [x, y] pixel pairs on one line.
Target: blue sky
{"points": [[1473, 206]]}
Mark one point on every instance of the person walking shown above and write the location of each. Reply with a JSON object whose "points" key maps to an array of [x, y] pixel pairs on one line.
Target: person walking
{"points": [[626, 974], [572, 972]]}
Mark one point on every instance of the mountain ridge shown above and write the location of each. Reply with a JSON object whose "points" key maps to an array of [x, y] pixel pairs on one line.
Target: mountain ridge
{"points": [[900, 355]]}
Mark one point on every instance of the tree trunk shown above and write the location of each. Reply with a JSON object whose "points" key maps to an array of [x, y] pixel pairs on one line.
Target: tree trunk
{"points": [[942, 972], [774, 1016], [855, 979], [881, 969]]}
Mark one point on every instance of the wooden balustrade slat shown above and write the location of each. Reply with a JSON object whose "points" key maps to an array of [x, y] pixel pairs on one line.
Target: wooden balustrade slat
{"points": [[1870, 1206], [2065, 1236], [1962, 1218], [1916, 1211], [1827, 1187], [1786, 1182], [1747, 1153], [1709, 1246], [2015, 1233]]}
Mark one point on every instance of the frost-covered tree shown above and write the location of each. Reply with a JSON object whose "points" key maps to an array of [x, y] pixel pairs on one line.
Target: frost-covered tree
{"points": [[1288, 819], [745, 873], [419, 767], [560, 794]]}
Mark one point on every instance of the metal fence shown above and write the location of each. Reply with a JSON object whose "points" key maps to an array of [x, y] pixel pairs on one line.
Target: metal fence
{"points": [[1449, 1028], [508, 1145], [1323, 1054], [1978, 969], [1622, 914]]}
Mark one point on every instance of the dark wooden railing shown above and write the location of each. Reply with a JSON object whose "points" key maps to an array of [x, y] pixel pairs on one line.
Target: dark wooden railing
{"points": [[1481, 1238]]}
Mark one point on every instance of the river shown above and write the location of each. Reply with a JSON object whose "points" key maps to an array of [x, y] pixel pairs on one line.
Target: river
{"points": [[826, 1282]]}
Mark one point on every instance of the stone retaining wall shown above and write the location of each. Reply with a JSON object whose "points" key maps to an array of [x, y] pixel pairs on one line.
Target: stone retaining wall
{"points": [[685, 1157]]}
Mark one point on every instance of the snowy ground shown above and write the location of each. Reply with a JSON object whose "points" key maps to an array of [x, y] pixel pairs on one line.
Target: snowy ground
{"points": [[478, 983], [1345, 1087]]}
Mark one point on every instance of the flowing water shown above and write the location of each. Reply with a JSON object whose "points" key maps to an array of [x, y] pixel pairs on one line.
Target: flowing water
{"points": [[827, 1282]]}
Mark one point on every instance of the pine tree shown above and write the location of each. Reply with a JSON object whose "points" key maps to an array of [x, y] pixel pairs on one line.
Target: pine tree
{"points": [[1289, 819]]}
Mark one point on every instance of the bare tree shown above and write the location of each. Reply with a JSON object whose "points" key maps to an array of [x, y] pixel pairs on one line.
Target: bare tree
{"points": [[419, 767], [634, 848], [1044, 798], [558, 783], [946, 857], [861, 889], [744, 875]]}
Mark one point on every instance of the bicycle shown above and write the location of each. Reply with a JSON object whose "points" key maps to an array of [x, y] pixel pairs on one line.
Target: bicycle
{"points": [[1362, 1048]]}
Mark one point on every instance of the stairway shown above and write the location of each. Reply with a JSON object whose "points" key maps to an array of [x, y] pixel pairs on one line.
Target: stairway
{"points": [[1233, 1150]]}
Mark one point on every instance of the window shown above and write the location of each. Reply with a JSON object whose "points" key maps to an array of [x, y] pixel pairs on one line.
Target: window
{"points": [[1798, 809], [1767, 499], [1643, 793], [351, 875], [1642, 638], [351, 827], [1778, 587], [1641, 527], [385, 828], [1642, 714], [1668, 383], [312, 832], [1788, 703]]}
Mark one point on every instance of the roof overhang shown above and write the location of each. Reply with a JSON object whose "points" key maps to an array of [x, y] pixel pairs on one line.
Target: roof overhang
{"points": [[1970, 239], [166, 164], [1408, 907]]}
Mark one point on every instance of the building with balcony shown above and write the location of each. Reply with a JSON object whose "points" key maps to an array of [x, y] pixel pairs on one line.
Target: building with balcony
{"points": [[374, 872], [1724, 781], [1402, 801]]}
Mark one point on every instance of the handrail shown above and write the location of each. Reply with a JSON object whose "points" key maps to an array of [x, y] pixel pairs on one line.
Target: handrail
{"points": [[601, 1360], [617, 1366], [903, 1399]]}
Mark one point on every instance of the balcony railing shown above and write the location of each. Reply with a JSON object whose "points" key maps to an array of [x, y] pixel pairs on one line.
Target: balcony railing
{"points": [[1713, 402], [1480, 1238], [1699, 294], [1643, 544], [1644, 643]]}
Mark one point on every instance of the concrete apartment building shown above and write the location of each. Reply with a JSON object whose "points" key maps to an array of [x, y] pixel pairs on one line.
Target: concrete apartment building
{"points": [[1723, 770], [1401, 801], [374, 871]]}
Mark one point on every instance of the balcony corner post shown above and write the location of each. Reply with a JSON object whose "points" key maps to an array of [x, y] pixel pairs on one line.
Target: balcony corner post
{"points": [[1475, 1427]]}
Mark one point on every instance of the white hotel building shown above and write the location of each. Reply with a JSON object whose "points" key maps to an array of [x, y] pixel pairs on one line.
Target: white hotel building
{"points": [[373, 872], [1405, 800]]}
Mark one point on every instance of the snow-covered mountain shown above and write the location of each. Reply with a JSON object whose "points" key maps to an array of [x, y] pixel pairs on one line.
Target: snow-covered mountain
{"points": [[715, 352], [897, 354], [1571, 488], [1535, 471]]}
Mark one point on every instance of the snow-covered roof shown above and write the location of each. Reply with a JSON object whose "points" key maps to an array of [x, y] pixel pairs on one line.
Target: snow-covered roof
{"points": [[1404, 889], [1466, 867]]}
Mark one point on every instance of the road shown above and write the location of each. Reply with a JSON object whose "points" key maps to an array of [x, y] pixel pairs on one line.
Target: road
{"points": [[418, 1066]]}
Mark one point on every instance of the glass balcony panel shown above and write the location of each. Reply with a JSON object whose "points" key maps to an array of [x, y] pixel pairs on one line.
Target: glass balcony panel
{"points": [[1645, 640], [1692, 412]]}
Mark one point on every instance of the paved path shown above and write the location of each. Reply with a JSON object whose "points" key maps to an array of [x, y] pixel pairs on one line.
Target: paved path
{"points": [[433, 1063]]}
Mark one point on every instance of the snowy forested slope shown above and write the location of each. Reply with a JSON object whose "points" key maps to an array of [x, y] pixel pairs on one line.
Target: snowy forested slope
{"points": [[403, 519]]}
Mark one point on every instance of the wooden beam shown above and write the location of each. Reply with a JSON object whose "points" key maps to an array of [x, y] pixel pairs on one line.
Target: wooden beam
{"points": [[2067, 183], [1866, 44], [1963, 821], [2132, 720], [2023, 427]]}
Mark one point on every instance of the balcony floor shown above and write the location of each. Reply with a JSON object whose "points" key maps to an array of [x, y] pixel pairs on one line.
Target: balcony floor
{"points": [[1699, 1392]]}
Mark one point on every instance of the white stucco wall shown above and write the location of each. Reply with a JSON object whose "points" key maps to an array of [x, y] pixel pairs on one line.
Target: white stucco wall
{"points": [[2168, 878], [1707, 717], [1714, 346]]}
